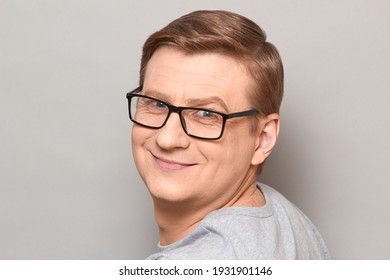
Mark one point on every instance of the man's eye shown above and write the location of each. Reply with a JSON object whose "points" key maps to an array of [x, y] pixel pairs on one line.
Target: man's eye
{"points": [[206, 114], [153, 104], [158, 104]]}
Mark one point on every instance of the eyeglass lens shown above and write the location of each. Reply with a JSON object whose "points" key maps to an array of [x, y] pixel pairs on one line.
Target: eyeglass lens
{"points": [[196, 122]]}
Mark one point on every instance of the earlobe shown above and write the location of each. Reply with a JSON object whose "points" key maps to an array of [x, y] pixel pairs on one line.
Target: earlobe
{"points": [[258, 157], [266, 140]]}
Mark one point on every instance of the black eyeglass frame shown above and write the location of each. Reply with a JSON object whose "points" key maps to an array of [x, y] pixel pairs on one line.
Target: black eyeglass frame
{"points": [[179, 109]]}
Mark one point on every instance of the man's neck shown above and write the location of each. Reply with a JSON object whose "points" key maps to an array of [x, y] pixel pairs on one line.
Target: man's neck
{"points": [[174, 226], [175, 221]]}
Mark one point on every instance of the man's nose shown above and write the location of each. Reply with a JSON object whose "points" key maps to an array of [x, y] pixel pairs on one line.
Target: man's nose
{"points": [[172, 135]]}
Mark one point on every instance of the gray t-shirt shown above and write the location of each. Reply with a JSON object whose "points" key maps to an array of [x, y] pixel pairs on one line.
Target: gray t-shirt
{"points": [[278, 230]]}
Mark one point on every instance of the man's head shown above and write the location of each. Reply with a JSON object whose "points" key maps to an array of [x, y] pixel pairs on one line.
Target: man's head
{"points": [[218, 61], [232, 35]]}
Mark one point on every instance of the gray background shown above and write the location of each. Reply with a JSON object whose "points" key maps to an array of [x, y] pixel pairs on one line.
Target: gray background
{"points": [[68, 185]]}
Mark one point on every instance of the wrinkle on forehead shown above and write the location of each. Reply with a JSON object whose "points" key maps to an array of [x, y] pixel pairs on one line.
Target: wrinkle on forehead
{"points": [[182, 77]]}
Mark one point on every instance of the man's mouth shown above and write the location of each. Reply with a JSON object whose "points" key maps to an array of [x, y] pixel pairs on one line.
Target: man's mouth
{"points": [[170, 164]]}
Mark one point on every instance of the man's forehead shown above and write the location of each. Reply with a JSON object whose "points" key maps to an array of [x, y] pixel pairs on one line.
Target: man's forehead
{"points": [[167, 55], [199, 78]]}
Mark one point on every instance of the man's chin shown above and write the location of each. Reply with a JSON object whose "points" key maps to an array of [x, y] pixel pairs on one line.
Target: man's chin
{"points": [[168, 192]]}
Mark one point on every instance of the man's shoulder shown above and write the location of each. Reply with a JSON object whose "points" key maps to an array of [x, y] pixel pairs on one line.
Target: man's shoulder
{"points": [[277, 230]]}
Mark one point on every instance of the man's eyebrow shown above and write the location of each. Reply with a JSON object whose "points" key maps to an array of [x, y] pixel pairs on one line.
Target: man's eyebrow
{"points": [[155, 94], [158, 95], [211, 100], [192, 102]]}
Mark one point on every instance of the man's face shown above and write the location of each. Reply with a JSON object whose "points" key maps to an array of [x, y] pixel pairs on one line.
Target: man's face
{"points": [[178, 168]]}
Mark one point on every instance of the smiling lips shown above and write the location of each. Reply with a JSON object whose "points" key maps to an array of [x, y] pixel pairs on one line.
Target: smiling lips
{"points": [[170, 164]]}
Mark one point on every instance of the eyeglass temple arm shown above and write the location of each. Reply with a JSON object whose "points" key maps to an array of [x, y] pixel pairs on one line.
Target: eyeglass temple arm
{"points": [[242, 114]]}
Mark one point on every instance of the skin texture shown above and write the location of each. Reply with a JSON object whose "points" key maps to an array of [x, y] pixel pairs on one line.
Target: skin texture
{"points": [[187, 177]]}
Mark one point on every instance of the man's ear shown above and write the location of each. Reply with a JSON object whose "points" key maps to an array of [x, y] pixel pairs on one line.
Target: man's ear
{"points": [[267, 135]]}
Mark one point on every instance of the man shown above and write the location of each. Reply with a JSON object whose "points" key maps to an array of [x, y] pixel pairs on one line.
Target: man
{"points": [[205, 119]]}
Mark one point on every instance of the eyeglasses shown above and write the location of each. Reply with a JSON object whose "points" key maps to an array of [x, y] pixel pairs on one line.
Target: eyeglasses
{"points": [[196, 122]]}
